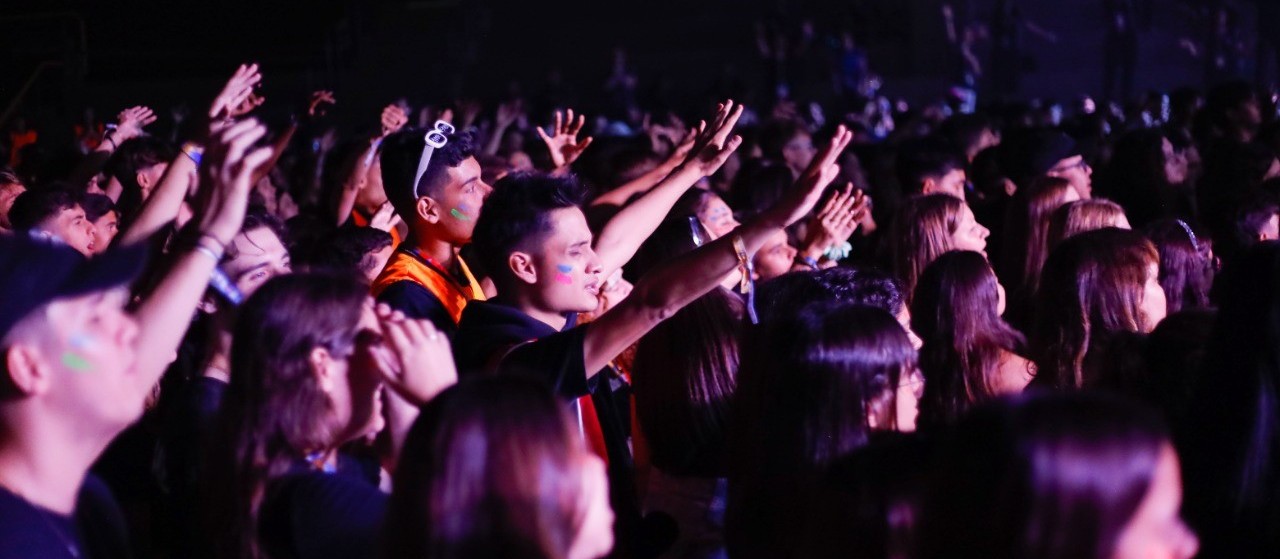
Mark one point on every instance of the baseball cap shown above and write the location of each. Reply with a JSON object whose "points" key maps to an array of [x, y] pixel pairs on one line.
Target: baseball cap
{"points": [[1029, 154], [36, 271]]}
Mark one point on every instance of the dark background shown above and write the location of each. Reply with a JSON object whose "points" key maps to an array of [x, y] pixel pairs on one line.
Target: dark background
{"points": [[109, 54]]}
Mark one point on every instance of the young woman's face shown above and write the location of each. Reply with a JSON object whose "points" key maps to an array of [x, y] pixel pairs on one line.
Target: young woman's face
{"points": [[1001, 299], [1153, 305], [1156, 531], [355, 395], [969, 234], [910, 389]]}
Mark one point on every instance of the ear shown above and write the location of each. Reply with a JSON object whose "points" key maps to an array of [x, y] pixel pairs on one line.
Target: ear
{"points": [[428, 209], [928, 186], [321, 363], [207, 304], [143, 180], [874, 410], [521, 264], [26, 370]]}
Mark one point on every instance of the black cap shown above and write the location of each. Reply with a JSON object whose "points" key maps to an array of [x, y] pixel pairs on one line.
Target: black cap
{"points": [[1028, 154], [34, 272]]}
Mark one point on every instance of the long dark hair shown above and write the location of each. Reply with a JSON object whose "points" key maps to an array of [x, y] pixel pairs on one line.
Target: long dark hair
{"points": [[810, 385], [1026, 243], [274, 410], [1230, 436], [1044, 476], [1091, 290], [954, 313], [1186, 264], [1135, 177], [685, 368], [922, 232], [491, 468]]}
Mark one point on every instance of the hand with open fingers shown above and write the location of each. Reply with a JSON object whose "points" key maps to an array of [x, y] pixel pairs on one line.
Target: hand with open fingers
{"points": [[713, 144], [563, 142], [393, 119], [836, 221], [808, 188], [229, 166], [131, 121], [508, 113], [423, 361], [320, 103], [385, 218], [236, 91], [246, 106]]}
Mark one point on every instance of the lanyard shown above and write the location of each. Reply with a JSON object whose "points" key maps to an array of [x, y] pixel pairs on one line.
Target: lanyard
{"points": [[452, 281]]}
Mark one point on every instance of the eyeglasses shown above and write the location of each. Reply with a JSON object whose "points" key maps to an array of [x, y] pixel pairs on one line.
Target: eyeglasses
{"points": [[435, 138]]}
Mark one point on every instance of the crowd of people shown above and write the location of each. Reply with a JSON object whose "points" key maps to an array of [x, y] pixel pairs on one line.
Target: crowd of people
{"points": [[754, 332]]}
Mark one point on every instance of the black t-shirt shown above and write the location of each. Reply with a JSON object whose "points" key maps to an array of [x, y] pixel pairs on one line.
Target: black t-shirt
{"points": [[417, 302], [494, 337], [308, 514], [184, 438], [95, 531]]}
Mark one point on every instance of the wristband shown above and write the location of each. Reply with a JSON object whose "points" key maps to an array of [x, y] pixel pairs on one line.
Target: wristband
{"points": [[114, 145], [806, 261], [193, 152], [748, 285]]}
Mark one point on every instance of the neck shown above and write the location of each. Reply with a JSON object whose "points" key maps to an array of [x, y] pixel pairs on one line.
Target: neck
{"points": [[44, 460], [529, 306], [440, 251], [219, 364]]}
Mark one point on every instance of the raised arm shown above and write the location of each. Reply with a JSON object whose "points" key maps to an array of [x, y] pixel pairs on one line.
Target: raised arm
{"points": [[164, 315], [678, 282], [129, 124], [624, 234], [164, 204], [392, 120], [639, 185], [563, 142]]}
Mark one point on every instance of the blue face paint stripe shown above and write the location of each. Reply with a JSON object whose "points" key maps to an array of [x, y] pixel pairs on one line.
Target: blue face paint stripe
{"points": [[564, 268]]}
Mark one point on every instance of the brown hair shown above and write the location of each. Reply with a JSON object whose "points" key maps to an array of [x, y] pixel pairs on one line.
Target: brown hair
{"points": [[921, 233], [491, 468], [1092, 287], [1028, 221], [1083, 215]]}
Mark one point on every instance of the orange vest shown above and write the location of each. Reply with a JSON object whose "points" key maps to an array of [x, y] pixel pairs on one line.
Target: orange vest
{"points": [[406, 265]]}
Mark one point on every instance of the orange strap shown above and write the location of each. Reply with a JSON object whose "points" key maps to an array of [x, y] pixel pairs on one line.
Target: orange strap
{"points": [[361, 221], [404, 266]]}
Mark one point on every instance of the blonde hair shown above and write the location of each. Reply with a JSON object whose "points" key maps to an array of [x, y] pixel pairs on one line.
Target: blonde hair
{"points": [[1084, 215]]}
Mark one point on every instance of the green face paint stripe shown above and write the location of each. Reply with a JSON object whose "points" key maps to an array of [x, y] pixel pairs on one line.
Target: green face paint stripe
{"points": [[75, 362], [459, 215]]}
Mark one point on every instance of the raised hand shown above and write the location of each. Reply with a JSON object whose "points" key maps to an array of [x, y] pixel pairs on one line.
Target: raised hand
{"points": [[508, 114], [385, 218], [319, 103], [470, 109], [130, 122], [563, 142], [808, 188], [836, 221], [235, 93], [712, 145], [229, 166], [416, 360], [246, 106], [393, 119]]}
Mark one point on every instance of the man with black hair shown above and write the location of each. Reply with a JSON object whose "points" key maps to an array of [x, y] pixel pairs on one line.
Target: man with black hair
{"points": [[55, 213], [101, 212], [543, 258], [1031, 154], [426, 278], [931, 166]]}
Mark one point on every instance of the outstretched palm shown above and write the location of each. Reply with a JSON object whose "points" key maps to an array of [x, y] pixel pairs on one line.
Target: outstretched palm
{"points": [[563, 142]]}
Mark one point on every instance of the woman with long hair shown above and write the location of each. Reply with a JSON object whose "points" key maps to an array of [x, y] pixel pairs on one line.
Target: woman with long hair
{"points": [[925, 228], [683, 379], [1084, 215], [1098, 290], [969, 355], [307, 368], [1187, 264], [1026, 240], [815, 386], [493, 467], [1056, 477], [1230, 433]]}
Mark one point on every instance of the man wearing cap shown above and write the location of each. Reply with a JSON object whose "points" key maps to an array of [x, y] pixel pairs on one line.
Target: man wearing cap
{"points": [[1030, 155], [435, 186], [75, 368]]}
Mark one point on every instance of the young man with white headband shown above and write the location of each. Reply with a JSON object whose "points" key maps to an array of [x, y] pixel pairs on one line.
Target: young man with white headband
{"points": [[433, 180]]}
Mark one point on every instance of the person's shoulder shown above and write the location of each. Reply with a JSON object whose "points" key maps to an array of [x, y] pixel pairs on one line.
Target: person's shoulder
{"points": [[20, 529], [322, 491]]}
